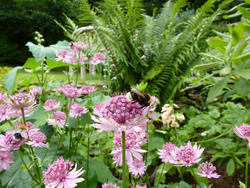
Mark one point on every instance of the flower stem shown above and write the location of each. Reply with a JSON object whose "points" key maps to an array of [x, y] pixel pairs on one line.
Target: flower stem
{"points": [[70, 142], [24, 121], [214, 138], [124, 184], [246, 170], [180, 172], [21, 157], [194, 175], [87, 170], [160, 175], [57, 147], [36, 164]]}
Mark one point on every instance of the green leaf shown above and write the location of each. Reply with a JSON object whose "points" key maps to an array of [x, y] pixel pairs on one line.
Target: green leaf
{"points": [[244, 73], [41, 52], [39, 115], [245, 12], [206, 66], [217, 89], [230, 167], [217, 43], [55, 64], [243, 57], [155, 142], [10, 79], [154, 71], [183, 184], [31, 63], [102, 171]]}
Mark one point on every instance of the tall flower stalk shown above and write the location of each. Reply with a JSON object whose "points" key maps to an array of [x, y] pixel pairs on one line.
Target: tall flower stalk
{"points": [[124, 172]]}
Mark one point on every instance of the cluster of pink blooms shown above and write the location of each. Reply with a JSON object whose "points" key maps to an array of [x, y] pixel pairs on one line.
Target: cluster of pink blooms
{"points": [[76, 55], [85, 90], [110, 185], [61, 174], [36, 91], [187, 155], [12, 140], [76, 110], [243, 132], [73, 92]]}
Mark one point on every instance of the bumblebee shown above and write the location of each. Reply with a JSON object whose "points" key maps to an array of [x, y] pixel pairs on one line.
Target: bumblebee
{"points": [[20, 133], [142, 98]]}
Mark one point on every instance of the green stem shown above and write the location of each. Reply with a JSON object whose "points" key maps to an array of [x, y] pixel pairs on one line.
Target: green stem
{"points": [[214, 138], [160, 175], [45, 155], [24, 121], [246, 170], [57, 147], [36, 163], [124, 173], [195, 176], [180, 172], [21, 157], [70, 141], [11, 124], [146, 158], [77, 71], [87, 170]]}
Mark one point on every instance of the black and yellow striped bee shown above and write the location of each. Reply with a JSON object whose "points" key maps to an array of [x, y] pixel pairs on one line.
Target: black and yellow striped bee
{"points": [[142, 98]]}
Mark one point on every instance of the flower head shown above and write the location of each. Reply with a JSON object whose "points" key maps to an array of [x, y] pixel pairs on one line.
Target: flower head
{"points": [[2, 96], [4, 112], [60, 174], [36, 138], [97, 58], [243, 131], [186, 155], [76, 46], [85, 90], [58, 118], [70, 91], [165, 152], [62, 55], [143, 186], [36, 91], [137, 167], [51, 105], [109, 185], [76, 110], [6, 158], [12, 140], [21, 101], [207, 170]]}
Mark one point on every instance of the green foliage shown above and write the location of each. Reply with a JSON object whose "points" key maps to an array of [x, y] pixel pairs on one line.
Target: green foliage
{"points": [[10, 79], [154, 49]]}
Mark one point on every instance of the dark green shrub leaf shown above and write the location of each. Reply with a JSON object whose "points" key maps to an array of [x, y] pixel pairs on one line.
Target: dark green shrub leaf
{"points": [[230, 167]]}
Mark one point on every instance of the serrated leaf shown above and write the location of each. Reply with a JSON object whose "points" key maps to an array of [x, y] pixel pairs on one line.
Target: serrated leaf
{"points": [[206, 66], [102, 171], [41, 52], [155, 142], [217, 89], [10, 79], [31, 63], [244, 73], [230, 167]]}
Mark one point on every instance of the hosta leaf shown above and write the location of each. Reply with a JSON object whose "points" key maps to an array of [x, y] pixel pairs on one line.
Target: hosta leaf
{"points": [[230, 167], [217, 89], [10, 79], [52, 64]]}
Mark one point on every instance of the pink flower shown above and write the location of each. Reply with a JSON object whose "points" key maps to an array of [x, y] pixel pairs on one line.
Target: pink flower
{"points": [[109, 185], [58, 118], [4, 112], [85, 90], [133, 141], [62, 55], [97, 58], [75, 46], [137, 167], [12, 140], [70, 91], [21, 101], [29, 125], [165, 152], [243, 131], [6, 158], [2, 96], [144, 186], [36, 91], [60, 174], [36, 138], [207, 170], [186, 155], [76, 110], [119, 113], [51, 105]]}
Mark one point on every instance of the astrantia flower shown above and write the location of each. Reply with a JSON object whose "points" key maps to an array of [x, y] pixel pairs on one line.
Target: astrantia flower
{"points": [[78, 46], [85, 90], [70, 91], [60, 174], [165, 152], [133, 141], [97, 58], [36, 90], [51, 105], [119, 113], [57, 118], [62, 55], [2, 96], [207, 170], [21, 101], [76, 110], [186, 155], [10, 141], [6, 158], [36, 138], [243, 131], [137, 167], [4, 112], [109, 185], [143, 186]]}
